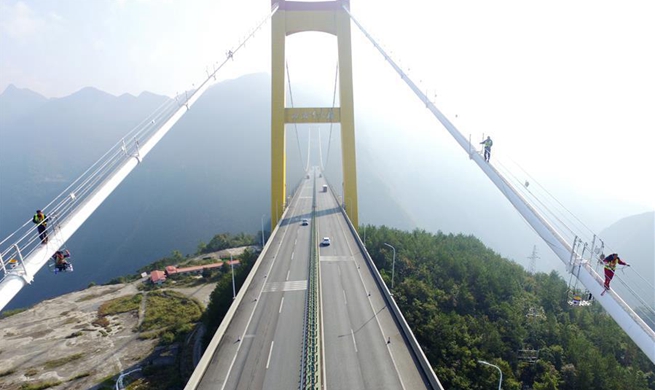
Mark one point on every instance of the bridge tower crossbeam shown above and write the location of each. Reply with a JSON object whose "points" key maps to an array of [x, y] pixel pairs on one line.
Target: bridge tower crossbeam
{"points": [[295, 17]]}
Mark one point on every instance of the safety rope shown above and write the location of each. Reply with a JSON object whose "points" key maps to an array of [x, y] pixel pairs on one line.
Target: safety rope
{"points": [[463, 142], [533, 180], [25, 239], [545, 210], [628, 288]]}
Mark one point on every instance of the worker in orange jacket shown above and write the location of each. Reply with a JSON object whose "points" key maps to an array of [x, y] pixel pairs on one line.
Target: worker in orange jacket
{"points": [[611, 262]]}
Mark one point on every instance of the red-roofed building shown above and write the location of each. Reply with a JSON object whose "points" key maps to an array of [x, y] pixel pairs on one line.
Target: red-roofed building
{"points": [[157, 277], [234, 263], [171, 269], [195, 269]]}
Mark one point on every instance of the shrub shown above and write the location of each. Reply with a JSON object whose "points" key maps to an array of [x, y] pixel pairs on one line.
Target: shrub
{"points": [[118, 305], [9, 313], [101, 321], [31, 372], [63, 361], [39, 385], [79, 376], [167, 338]]}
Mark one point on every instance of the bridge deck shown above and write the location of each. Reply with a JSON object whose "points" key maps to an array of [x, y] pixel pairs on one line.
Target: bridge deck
{"points": [[262, 346]]}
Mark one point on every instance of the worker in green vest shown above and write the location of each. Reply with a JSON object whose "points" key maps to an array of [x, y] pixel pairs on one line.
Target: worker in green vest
{"points": [[41, 221], [488, 143]]}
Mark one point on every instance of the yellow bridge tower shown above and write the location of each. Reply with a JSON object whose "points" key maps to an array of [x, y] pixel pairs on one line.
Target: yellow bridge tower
{"points": [[294, 17]]}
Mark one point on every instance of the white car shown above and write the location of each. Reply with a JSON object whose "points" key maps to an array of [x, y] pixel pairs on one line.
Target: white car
{"points": [[326, 241], [304, 222]]}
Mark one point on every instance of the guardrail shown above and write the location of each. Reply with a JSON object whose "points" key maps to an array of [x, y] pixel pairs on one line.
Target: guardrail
{"points": [[207, 356], [25, 240], [425, 368]]}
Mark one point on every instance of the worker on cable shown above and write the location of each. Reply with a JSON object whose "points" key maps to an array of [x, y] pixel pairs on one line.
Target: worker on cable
{"points": [[610, 267], [61, 265], [41, 222], [488, 143]]}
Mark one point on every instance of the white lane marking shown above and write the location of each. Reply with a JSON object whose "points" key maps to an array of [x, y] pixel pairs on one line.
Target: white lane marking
{"points": [[281, 304], [384, 337], [344, 297], [270, 352], [292, 253], [295, 242], [288, 272], [354, 342], [227, 376], [291, 285]]}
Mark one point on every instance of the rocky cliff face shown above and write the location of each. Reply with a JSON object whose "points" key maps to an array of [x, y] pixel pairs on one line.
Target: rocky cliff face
{"points": [[64, 342]]}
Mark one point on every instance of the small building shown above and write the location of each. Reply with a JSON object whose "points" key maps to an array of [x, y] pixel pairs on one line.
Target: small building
{"points": [[234, 263], [197, 269], [157, 277], [171, 269]]}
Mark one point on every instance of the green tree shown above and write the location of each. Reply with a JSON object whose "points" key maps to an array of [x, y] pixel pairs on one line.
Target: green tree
{"points": [[465, 302]]}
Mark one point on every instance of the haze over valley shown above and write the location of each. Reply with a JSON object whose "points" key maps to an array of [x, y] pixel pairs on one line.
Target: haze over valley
{"points": [[211, 174]]}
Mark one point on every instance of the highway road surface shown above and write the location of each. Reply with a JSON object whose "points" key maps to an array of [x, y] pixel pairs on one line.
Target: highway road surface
{"points": [[362, 346], [269, 322]]}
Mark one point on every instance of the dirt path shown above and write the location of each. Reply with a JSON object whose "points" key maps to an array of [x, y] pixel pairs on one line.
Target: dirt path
{"points": [[142, 309]]}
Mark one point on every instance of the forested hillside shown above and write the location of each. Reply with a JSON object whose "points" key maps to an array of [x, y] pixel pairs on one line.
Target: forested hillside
{"points": [[465, 303]]}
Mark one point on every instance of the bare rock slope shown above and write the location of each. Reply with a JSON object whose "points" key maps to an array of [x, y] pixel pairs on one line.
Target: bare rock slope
{"points": [[62, 340]]}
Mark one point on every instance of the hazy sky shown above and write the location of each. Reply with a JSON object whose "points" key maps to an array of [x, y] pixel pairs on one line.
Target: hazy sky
{"points": [[566, 88]]}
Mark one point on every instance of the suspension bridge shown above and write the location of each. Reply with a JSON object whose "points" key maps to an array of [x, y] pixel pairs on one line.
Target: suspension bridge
{"points": [[317, 337]]}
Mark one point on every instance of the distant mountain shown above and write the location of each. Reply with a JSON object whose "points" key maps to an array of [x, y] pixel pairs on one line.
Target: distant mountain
{"points": [[16, 103], [211, 174], [54, 140], [633, 238]]}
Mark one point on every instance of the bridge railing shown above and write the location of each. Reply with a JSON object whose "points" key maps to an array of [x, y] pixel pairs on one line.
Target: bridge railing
{"points": [[208, 355], [25, 240], [415, 349]]}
